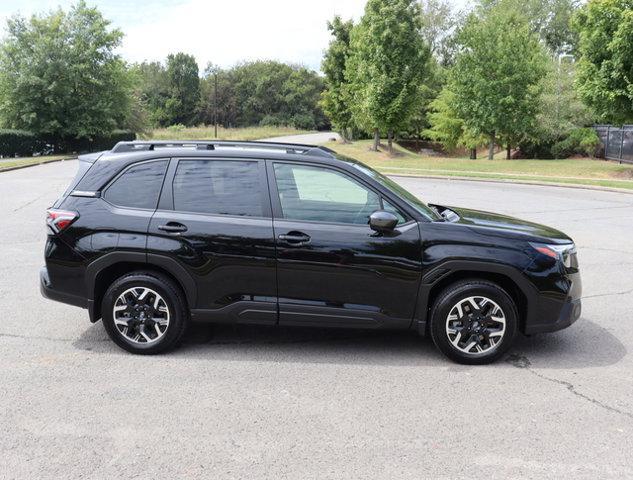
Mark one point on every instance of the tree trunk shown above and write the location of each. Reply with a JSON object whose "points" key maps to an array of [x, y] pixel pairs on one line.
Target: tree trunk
{"points": [[390, 141], [508, 152], [491, 149], [473, 154], [376, 140]]}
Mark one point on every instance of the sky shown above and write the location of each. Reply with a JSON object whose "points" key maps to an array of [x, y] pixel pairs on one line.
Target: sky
{"points": [[222, 32]]}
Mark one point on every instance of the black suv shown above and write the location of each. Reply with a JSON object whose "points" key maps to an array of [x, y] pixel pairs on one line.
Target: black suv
{"points": [[152, 235]]}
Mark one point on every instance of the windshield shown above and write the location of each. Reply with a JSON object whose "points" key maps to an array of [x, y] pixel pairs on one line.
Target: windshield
{"points": [[411, 199]]}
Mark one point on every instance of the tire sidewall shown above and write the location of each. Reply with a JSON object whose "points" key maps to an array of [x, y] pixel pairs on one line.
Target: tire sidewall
{"points": [[450, 297], [165, 290]]}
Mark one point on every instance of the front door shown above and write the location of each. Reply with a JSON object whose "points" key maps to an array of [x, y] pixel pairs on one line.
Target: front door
{"points": [[332, 269], [214, 221]]}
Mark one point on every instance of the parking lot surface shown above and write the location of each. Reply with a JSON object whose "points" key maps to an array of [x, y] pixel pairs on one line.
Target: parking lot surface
{"points": [[278, 403]]}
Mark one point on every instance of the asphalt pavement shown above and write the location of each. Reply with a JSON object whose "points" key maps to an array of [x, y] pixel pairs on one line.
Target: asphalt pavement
{"points": [[308, 403]]}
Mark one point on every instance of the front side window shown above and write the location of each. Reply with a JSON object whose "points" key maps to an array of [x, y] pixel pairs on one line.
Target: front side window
{"points": [[218, 187], [139, 186], [323, 195]]}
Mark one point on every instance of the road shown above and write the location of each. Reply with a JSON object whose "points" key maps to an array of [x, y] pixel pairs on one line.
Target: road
{"points": [[301, 404]]}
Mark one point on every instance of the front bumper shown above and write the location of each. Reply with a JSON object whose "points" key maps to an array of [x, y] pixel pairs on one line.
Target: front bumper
{"points": [[51, 293], [556, 313]]}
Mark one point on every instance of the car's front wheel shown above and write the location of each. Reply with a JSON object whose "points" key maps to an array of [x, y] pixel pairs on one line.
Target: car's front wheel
{"points": [[473, 322], [144, 313]]}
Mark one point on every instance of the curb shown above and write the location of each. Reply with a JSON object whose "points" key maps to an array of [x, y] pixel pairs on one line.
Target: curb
{"points": [[520, 182], [19, 167]]}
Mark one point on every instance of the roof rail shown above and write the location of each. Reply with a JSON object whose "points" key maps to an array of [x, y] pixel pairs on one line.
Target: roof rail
{"points": [[143, 145]]}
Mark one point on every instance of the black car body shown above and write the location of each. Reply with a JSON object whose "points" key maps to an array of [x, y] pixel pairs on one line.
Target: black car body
{"points": [[281, 234]]}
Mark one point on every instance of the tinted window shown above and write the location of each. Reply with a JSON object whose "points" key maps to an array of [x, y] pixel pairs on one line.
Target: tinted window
{"points": [[218, 187], [411, 199], [139, 186], [320, 194]]}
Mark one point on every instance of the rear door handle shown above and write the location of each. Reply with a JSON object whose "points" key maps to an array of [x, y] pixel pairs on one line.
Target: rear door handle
{"points": [[295, 238], [173, 227]]}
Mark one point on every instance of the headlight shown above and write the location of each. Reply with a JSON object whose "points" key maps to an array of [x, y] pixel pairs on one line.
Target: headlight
{"points": [[566, 253]]}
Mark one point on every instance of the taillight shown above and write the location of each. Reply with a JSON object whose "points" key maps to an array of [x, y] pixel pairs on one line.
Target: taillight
{"points": [[59, 220]]}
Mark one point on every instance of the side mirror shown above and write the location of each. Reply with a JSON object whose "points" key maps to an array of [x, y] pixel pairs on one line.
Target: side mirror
{"points": [[381, 221]]}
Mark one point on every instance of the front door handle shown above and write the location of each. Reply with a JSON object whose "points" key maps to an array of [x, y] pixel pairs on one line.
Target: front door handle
{"points": [[173, 227], [295, 238]]}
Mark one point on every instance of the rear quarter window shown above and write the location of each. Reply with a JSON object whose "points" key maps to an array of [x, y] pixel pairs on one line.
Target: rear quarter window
{"points": [[139, 186]]}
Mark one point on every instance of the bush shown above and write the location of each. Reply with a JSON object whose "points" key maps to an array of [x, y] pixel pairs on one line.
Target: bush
{"points": [[583, 141], [106, 142], [580, 141], [20, 143], [95, 144], [304, 121], [274, 121]]}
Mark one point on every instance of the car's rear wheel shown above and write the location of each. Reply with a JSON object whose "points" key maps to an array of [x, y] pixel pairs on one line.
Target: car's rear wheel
{"points": [[145, 313], [473, 322]]}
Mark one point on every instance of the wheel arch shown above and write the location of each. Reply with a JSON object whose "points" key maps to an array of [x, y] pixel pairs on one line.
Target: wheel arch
{"points": [[507, 277], [101, 273]]}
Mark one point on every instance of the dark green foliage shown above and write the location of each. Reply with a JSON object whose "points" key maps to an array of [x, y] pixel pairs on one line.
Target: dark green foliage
{"points": [[183, 89], [336, 97], [496, 80], [581, 141], [387, 66], [60, 76], [19, 142], [605, 65], [263, 92]]}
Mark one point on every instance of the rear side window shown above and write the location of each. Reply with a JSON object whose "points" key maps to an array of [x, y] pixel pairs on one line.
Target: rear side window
{"points": [[219, 187], [139, 186]]}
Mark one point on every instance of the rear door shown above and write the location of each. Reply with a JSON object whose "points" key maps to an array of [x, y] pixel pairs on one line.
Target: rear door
{"points": [[214, 221], [332, 269]]}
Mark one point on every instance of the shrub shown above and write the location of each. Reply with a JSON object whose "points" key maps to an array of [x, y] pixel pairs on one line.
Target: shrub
{"points": [[583, 141], [304, 121], [20, 143], [94, 144], [274, 121]]}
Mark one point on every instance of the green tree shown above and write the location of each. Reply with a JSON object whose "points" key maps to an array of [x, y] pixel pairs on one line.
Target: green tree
{"points": [[439, 22], [184, 89], [605, 66], [266, 92], [549, 19], [226, 105], [153, 86], [496, 78], [335, 98], [60, 76], [387, 66], [448, 128], [561, 111]]}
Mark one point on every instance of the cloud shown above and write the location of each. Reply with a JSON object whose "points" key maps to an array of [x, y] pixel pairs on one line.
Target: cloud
{"points": [[225, 32]]}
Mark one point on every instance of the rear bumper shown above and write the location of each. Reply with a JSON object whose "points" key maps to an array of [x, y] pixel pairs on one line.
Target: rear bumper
{"points": [[51, 293]]}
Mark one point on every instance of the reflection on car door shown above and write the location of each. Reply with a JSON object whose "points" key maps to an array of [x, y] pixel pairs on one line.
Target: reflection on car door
{"points": [[332, 269], [214, 221]]}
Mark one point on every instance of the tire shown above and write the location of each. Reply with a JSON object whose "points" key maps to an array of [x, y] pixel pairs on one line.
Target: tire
{"points": [[170, 312], [493, 326]]}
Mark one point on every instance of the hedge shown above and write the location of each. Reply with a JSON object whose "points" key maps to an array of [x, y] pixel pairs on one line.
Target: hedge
{"points": [[95, 144], [23, 143], [20, 143]]}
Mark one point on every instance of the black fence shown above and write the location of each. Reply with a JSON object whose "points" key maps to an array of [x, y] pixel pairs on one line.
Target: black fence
{"points": [[617, 142]]}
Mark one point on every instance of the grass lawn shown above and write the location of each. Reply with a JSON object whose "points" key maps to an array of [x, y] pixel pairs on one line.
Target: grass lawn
{"points": [[9, 163], [208, 133], [573, 171]]}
